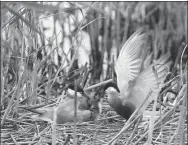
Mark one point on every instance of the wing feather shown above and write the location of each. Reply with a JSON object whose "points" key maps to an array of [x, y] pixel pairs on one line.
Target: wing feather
{"points": [[129, 62], [147, 80]]}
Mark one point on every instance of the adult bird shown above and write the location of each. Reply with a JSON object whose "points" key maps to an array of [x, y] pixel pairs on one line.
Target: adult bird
{"points": [[134, 77], [86, 110]]}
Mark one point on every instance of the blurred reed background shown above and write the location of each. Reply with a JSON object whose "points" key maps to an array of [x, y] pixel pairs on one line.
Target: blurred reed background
{"points": [[43, 43]]}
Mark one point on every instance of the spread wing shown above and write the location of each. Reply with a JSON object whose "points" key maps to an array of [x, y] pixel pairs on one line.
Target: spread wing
{"points": [[149, 80], [129, 61]]}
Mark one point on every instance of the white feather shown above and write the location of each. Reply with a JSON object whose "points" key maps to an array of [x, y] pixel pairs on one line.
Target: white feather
{"points": [[147, 80], [129, 62], [133, 84]]}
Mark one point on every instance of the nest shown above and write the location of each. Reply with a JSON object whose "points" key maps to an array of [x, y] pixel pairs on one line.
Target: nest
{"points": [[169, 127]]}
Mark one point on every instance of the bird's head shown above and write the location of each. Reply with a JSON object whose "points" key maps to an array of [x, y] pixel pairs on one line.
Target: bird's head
{"points": [[117, 102], [111, 87]]}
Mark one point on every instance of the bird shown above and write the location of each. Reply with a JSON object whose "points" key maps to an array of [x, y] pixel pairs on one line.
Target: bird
{"points": [[87, 110], [135, 77]]}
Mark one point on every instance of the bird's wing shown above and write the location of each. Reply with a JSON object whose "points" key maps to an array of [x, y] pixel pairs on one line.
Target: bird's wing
{"points": [[47, 115], [65, 112], [129, 61], [148, 79]]}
